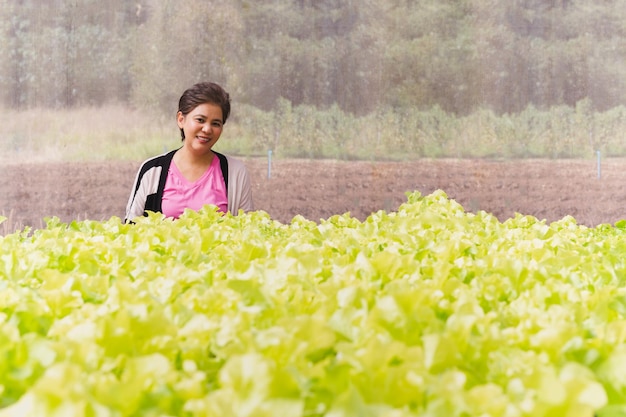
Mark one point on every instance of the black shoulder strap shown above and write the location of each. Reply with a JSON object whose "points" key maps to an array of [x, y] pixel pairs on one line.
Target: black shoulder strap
{"points": [[167, 160], [224, 167]]}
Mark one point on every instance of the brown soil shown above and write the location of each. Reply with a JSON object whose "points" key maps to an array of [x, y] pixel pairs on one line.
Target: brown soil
{"points": [[318, 189]]}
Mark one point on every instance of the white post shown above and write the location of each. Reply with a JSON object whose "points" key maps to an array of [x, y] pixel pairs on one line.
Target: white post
{"points": [[269, 164], [599, 168]]}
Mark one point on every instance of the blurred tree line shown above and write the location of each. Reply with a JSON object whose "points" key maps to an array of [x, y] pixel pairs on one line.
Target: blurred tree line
{"points": [[359, 56]]}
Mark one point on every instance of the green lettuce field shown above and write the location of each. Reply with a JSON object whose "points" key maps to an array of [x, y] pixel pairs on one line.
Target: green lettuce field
{"points": [[426, 311]]}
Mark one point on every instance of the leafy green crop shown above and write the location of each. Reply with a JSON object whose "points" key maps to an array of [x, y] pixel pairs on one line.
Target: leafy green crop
{"points": [[426, 311]]}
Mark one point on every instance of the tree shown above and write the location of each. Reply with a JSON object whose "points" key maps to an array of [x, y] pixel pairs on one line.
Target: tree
{"points": [[182, 43], [14, 52]]}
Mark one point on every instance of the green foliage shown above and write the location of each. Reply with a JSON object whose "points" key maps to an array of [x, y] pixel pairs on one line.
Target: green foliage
{"points": [[428, 310], [180, 44], [303, 131], [307, 132], [364, 57], [85, 134]]}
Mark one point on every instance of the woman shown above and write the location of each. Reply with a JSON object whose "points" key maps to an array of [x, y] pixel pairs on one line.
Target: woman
{"points": [[193, 175]]}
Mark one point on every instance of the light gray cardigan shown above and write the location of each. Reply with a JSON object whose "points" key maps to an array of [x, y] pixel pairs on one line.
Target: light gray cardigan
{"points": [[147, 193]]}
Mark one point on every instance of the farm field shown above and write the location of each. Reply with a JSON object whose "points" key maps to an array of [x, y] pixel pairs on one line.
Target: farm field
{"points": [[426, 310], [318, 189]]}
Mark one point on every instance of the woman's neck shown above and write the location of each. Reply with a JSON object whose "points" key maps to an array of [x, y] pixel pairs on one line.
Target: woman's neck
{"points": [[185, 157]]}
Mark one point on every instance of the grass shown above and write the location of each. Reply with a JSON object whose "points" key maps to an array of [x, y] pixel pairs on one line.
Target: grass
{"points": [[85, 134], [121, 133], [8, 224], [90, 134]]}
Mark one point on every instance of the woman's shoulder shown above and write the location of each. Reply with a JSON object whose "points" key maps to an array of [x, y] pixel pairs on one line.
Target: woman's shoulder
{"points": [[233, 159], [159, 160], [230, 158], [235, 164]]}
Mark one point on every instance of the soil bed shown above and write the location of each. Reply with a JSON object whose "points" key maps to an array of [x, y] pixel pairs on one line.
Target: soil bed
{"points": [[318, 189]]}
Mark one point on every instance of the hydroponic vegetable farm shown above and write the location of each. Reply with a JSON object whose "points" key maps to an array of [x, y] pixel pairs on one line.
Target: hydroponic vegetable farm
{"points": [[424, 311]]}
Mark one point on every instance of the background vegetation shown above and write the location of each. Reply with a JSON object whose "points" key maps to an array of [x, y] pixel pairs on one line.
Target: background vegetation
{"points": [[330, 78]]}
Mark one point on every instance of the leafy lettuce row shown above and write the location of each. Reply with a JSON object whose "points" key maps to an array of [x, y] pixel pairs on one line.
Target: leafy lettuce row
{"points": [[426, 311]]}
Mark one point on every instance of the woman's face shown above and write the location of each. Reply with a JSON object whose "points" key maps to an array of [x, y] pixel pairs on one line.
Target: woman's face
{"points": [[202, 126]]}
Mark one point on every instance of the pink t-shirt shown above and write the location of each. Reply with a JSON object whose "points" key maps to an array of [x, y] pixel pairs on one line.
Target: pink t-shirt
{"points": [[180, 194]]}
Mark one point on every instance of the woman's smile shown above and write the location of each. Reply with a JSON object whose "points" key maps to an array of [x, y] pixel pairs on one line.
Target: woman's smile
{"points": [[203, 139], [204, 124]]}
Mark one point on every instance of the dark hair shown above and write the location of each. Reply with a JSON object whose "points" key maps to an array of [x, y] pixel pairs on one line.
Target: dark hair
{"points": [[202, 93]]}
